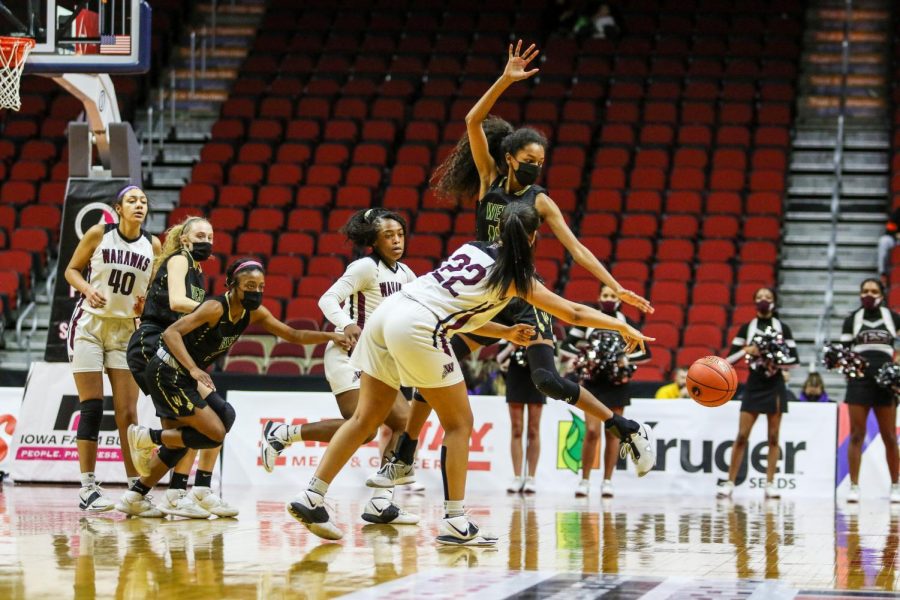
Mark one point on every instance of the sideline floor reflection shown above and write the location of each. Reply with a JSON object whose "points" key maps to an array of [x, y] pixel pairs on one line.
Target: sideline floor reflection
{"points": [[550, 543]]}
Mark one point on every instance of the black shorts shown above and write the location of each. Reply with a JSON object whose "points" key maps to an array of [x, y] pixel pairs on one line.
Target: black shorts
{"points": [[141, 348], [769, 400], [519, 311], [519, 387], [174, 391]]}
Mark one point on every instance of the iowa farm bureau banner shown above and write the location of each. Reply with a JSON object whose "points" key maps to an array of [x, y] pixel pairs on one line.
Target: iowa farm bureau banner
{"points": [[87, 204], [693, 446]]}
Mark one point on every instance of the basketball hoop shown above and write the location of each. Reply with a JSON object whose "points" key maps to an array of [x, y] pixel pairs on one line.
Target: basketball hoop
{"points": [[13, 52]]}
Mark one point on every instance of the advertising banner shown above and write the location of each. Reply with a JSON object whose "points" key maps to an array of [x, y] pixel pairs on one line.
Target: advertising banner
{"points": [[10, 401], [693, 447], [44, 440], [874, 478]]}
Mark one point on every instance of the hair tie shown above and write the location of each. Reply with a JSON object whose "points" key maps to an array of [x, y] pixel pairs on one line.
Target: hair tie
{"points": [[125, 190]]}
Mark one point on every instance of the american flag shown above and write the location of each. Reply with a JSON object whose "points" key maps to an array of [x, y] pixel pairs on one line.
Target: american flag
{"points": [[115, 44]]}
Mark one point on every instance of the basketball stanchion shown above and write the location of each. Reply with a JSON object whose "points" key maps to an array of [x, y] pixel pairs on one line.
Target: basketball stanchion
{"points": [[13, 52]]}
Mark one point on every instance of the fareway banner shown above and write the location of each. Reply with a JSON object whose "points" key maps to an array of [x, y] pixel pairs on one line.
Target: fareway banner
{"points": [[44, 441], [693, 447]]}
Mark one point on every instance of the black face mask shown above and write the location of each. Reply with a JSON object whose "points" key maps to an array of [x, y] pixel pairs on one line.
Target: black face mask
{"points": [[527, 173], [251, 300], [201, 251]]}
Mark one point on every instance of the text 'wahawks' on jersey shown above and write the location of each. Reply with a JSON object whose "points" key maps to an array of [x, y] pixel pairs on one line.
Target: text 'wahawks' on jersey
{"points": [[364, 284], [120, 269], [490, 207]]}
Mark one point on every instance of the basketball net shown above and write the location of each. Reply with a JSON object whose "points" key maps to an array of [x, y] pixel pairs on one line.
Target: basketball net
{"points": [[13, 52]]}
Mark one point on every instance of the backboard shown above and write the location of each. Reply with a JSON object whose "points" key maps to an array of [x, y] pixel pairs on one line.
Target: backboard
{"points": [[81, 36]]}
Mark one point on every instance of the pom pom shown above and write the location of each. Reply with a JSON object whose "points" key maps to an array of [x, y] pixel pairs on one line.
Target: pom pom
{"points": [[773, 352], [888, 376], [520, 355], [603, 358], [851, 364]]}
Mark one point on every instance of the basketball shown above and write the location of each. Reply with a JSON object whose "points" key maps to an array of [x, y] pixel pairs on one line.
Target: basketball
{"points": [[711, 381]]}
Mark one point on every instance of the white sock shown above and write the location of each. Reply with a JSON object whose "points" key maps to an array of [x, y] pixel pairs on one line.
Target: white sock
{"points": [[318, 486], [87, 479], [453, 508], [290, 434], [386, 493]]}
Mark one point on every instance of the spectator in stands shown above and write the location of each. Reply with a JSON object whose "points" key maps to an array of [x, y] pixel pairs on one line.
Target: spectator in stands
{"points": [[676, 389], [886, 243], [765, 392], [614, 394], [871, 330], [118, 262], [521, 394], [178, 289], [604, 23], [813, 389], [500, 166]]}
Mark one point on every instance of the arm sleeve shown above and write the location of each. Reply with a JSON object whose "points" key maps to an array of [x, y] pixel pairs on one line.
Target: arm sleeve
{"points": [[791, 344], [637, 357], [847, 332], [736, 352], [358, 276]]}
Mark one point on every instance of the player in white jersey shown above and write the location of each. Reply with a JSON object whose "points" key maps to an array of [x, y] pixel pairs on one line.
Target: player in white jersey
{"points": [[119, 262], [406, 342], [348, 304]]}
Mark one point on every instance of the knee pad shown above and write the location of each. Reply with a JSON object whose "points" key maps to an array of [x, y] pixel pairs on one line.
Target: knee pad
{"points": [[223, 409], [89, 420], [196, 440], [547, 379], [171, 457]]}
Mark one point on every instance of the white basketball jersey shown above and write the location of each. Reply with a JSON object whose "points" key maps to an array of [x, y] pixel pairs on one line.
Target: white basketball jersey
{"points": [[362, 287], [457, 291], [120, 269]]}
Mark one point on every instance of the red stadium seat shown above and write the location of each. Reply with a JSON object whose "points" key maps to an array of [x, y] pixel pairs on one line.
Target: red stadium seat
{"points": [[676, 270]]}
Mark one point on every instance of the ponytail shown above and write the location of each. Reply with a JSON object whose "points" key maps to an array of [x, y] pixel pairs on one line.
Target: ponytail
{"points": [[457, 177], [515, 258], [173, 244]]}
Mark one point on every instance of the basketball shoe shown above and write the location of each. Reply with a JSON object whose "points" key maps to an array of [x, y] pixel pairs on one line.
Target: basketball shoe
{"points": [[639, 445], [211, 501], [381, 509], [460, 531], [141, 448], [393, 472], [853, 494], [309, 508], [272, 444], [528, 486], [92, 500], [606, 489], [178, 503], [725, 489], [132, 503], [583, 490]]}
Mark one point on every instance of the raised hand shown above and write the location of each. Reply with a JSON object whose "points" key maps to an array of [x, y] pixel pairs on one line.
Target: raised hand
{"points": [[641, 303], [518, 60], [634, 339]]}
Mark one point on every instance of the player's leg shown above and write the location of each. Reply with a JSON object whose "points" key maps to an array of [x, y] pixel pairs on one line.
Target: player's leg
{"points": [[533, 444], [887, 419], [202, 492], [773, 430], [589, 449]]}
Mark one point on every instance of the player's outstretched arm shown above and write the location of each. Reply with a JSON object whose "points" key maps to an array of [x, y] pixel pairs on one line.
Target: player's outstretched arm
{"points": [[267, 320]]}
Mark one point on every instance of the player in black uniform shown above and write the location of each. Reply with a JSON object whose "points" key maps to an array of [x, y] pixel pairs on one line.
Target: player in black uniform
{"points": [[192, 414], [501, 165], [177, 289], [615, 395], [764, 393], [871, 331]]}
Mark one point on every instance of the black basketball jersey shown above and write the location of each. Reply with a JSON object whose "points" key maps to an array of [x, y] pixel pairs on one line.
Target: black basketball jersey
{"points": [[156, 307], [489, 207], [205, 344]]}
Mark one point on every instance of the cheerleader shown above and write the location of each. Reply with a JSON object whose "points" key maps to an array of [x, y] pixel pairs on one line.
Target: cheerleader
{"points": [[119, 261], [500, 166], [192, 413], [521, 395], [764, 393], [614, 394], [407, 342], [178, 289], [871, 330], [348, 305]]}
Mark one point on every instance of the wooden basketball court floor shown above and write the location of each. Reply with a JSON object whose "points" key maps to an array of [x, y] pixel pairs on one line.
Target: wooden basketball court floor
{"points": [[551, 546]]}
